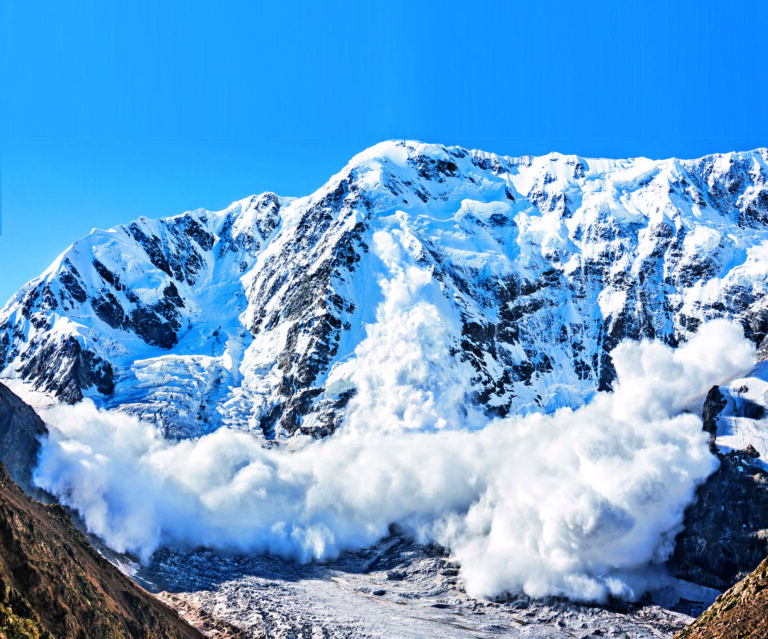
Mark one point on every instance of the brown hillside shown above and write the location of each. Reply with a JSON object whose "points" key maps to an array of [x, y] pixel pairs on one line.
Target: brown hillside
{"points": [[53, 583], [739, 613]]}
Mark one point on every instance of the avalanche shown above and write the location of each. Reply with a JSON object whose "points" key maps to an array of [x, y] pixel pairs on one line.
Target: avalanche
{"points": [[583, 503]]}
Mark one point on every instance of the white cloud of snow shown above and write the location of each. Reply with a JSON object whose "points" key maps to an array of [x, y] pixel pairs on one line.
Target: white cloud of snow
{"points": [[405, 377], [577, 503]]}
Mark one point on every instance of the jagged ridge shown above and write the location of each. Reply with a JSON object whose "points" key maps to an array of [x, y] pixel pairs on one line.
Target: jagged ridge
{"points": [[241, 317]]}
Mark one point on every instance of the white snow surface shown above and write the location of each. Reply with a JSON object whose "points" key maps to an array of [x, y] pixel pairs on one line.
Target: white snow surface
{"points": [[744, 420]]}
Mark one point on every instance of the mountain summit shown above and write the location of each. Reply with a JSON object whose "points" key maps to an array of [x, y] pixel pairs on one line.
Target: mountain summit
{"points": [[500, 282]]}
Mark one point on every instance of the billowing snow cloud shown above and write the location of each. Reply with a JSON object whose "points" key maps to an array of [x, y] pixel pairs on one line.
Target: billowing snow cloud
{"points": [[580, 503]]}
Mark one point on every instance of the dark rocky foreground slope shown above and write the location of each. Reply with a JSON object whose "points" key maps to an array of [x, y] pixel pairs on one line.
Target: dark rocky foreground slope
{"points": [[54, 584], [740, 613]]}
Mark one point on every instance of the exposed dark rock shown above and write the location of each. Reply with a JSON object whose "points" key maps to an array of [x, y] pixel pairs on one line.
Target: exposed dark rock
{"points": [[725, 531], [157, 325], [109, 310], [430, 168], [66, 369], [714, 404], [297, 405], [177, 253], [70, 278], [316, 310], [762, 350], [152, 246], [201, 236], [750, 452], [108, 276]]}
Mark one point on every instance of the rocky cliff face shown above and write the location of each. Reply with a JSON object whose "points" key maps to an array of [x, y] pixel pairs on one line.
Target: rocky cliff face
{"points": [[253, 316], [20, 433], [726, 528], [725, 531]]}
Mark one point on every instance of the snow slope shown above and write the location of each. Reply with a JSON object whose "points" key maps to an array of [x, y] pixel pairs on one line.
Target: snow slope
{"points": [[495, 284]]}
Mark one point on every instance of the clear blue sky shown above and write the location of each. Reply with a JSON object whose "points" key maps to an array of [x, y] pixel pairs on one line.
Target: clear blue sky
{"points": [[111, 110]]}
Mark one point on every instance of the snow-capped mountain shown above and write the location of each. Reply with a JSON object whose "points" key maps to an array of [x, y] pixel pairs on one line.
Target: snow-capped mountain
{"points": [[272, 314]]}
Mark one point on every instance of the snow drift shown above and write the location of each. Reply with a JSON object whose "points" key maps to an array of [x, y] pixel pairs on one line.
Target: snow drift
{"points": [[581, 503]]}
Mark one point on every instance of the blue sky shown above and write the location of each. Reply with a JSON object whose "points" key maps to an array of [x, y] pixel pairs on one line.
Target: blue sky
{"points": [[113, 110]]}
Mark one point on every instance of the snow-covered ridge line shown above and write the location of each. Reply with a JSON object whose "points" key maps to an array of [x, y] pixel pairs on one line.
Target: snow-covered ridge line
{"points": [[524, 272]]}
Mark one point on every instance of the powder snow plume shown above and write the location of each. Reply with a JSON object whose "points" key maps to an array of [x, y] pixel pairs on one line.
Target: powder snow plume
{"points": [[581, 503]]}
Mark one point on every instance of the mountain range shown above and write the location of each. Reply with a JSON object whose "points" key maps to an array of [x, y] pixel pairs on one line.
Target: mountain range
{"points": [[522, 273]]}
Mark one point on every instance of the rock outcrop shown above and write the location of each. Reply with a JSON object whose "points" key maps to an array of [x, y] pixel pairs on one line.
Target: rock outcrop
{"points": [[725, 531], [714, 403]]}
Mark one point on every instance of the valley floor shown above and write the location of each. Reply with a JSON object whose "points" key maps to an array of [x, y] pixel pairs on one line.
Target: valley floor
{"points": [[395, 590]]}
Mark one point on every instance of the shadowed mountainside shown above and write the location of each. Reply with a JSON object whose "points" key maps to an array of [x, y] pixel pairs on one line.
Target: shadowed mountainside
{"points": [[20, 431]]}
